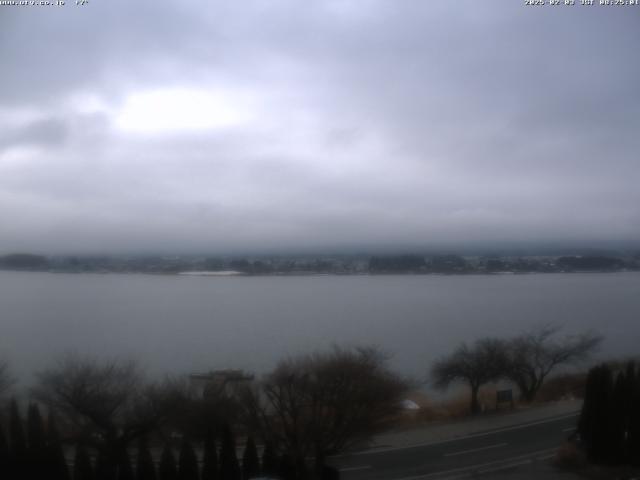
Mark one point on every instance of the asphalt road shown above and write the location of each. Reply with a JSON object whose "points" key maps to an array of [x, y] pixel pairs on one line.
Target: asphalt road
{"points": [[475, 455]]}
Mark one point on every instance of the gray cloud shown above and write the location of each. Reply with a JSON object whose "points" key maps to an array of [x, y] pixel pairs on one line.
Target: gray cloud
{"points": [[45, 132], [273, 124]]}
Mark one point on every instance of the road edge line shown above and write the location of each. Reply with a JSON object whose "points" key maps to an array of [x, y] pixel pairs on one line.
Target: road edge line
{"points": [[466, 437]]}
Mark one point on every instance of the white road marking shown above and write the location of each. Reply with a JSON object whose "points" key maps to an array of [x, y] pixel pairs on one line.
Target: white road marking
{"points": [[474, 435], [546, 457], [479, 449], [478, 466], [571, 429], [352, 469]]}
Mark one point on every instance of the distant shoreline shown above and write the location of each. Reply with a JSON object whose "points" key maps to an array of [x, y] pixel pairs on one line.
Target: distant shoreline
{"points": [[405, 264], [312, 274], [214, 273]]}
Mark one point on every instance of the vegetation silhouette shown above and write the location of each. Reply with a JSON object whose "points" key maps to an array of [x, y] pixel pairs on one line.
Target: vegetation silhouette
{"points": [[526, 360], [609, 424]]}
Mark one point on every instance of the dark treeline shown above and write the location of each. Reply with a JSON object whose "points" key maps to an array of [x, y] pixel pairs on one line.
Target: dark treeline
{"points": [[24, 261], [590, 263], [34, 449], [336, 264], [112, 424], [105, 422], [609, 424], [402, 263]]}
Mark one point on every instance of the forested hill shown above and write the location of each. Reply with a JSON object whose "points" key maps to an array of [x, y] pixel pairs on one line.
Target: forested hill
{"points": [[323, 264]]}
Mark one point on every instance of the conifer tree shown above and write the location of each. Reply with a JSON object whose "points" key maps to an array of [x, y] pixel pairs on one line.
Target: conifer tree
{"points": [[146, 469], [5, 464], [55, 455], [609, 424], [329, 473], [229, 467], [210, 459], [634, 421], [106, 468], [4, 447], [627, 408], [604, 417], [16, 434], [19, 467], [168, 470], [125, 471], [187, 462], [630, 378], [591, 408], [37, 447], [286, 468], [35, 432], [250, 462], [617, 422], [269, 460], [52, 435], [82, 468]]}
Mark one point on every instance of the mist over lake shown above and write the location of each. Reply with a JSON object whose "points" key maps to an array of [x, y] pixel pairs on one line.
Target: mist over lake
{"points": [[180, 324]]}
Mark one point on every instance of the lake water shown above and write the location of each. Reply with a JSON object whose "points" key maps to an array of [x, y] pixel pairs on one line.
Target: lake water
{"points": [[184, 324]]}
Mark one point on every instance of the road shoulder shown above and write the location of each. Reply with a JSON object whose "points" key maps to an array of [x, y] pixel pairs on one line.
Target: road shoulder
{"points": [[440, 431]]}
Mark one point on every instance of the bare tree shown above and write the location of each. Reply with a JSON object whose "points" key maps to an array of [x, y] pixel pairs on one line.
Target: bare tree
{"points": [[324, 403], [535, 354], [483, 362], [193, 412], [106, 402]]}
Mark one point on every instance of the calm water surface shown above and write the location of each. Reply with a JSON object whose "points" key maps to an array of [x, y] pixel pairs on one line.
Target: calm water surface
{"points": [[181, 324]]}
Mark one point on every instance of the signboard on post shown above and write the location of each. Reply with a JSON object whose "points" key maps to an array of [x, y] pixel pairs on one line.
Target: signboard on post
{"points": [[504, 396]]}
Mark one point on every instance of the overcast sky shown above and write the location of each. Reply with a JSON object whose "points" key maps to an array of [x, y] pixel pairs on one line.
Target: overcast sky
{"points": [[211, 126]]}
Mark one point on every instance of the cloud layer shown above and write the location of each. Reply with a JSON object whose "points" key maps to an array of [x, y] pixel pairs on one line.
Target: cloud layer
{"points": [[260, 125]]}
